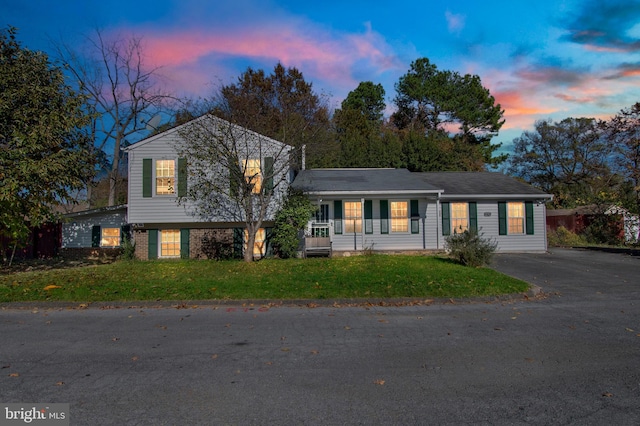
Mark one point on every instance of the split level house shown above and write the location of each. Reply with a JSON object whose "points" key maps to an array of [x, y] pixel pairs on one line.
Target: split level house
{"points": [[358, 209], [219, 167]]}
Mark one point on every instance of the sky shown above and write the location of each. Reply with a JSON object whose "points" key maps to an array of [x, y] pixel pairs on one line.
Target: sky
{"points": [[548, 59]]}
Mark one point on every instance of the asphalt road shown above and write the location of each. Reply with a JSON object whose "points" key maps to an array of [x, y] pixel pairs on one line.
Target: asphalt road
{"points": [[570, 357]]}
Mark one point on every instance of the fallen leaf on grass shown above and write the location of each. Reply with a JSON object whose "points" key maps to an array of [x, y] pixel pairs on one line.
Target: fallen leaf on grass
{"points": [[51, 287]]}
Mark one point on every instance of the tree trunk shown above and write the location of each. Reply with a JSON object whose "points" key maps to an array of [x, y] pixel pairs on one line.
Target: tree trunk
{"points": [[113, 181], [251, 239]]}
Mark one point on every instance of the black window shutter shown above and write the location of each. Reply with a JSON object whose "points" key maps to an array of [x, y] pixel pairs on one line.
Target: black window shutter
{"points": [[502, 218], [446, 219], [368, 216], [528, 208], [415, 217], [125, 234], [147, 167], [268, 234], [384, 216], [473, 216], [153, 243], [238, 242], [268, 174], [95, 236], [184, 243], [337, 216], [182, 177]]}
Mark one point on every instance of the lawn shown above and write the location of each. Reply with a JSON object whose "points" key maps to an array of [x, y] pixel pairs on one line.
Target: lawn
{"points": [[375, 276]]}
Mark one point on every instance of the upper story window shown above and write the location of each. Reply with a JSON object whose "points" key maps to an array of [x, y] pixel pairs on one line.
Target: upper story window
{"points": [[165, 177], [253, 174], [459, 217], [515, 213], [399, 216]]}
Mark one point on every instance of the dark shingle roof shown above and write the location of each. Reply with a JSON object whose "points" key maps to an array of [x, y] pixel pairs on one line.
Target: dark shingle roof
{"points": [[452, 184], [364, 180], [486, 183]]}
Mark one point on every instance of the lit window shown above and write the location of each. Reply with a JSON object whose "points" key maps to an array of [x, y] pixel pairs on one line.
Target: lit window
{"points": [[259, 245], [110, 237], [516, 218], [253, 175], [165, 177], [170, 243], [459, 217], [352, 216], [399, 221]]}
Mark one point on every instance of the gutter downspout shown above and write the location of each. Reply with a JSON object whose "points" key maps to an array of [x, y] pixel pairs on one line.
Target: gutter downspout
{"points": [[438, 220]]}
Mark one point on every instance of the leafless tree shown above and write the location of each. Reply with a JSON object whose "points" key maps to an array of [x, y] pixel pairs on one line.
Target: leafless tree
{"points": [[124, 94], [234, 174]]}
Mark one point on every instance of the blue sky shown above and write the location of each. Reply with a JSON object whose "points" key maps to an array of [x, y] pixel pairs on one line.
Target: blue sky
{"points": [[544, 59]]}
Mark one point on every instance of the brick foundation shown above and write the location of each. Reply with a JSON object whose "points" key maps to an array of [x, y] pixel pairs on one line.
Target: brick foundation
{"points": [[141, 240]]}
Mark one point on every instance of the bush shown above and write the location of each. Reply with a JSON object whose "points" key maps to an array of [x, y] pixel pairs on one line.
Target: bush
{"points": [[290, 220], [128, 249], [562, 237], [470, 248]]}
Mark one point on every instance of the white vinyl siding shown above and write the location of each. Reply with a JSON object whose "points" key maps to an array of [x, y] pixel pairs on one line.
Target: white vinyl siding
{"points": [[165, 209], [377, 240]]}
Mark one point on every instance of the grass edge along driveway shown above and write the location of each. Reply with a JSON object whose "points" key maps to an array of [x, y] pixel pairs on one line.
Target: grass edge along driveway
{"points": [[367, 276]]}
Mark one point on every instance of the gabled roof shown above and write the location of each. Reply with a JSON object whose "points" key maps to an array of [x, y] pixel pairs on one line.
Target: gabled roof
{"points": [[484, 184], [219, 121], [361, 181]]}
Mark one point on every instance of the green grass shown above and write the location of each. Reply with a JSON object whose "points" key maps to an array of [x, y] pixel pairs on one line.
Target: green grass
{"points": [[376, 276]]}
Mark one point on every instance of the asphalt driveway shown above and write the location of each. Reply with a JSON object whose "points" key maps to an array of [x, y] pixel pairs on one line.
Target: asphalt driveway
{"points": [[576, 273]]}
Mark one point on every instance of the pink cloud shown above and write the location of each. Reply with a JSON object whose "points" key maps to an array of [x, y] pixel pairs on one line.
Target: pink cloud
{"points": [[319, 54]]}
